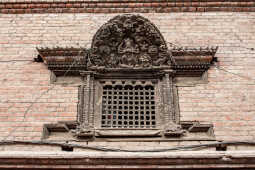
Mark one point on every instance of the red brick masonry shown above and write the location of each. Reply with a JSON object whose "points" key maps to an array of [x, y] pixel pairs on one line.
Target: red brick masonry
{"points": [[124, 6]]}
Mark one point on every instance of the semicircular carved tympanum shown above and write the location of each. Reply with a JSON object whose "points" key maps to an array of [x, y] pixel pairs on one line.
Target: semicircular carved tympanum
{"points": [[128, 41]]}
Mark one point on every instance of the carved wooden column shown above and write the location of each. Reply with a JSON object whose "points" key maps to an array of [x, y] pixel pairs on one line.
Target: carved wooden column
{"points": [[86, 106], [168, 97], [171, 126]]}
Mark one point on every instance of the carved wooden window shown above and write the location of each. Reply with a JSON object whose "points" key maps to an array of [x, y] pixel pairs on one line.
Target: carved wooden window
{"points": [[129, 80], [115, 104]]}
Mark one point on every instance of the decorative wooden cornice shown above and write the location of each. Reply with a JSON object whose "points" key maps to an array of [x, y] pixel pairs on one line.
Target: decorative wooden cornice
{"points": [[185, 59], [189, 59], [127, 6], [62, 59]]}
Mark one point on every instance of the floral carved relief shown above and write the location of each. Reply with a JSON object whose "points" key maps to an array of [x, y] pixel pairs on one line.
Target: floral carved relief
{"points": [[128, 41]]}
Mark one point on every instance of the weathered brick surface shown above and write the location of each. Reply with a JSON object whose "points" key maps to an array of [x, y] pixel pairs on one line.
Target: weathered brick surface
{"points": [[227, 100], [119, 6]]}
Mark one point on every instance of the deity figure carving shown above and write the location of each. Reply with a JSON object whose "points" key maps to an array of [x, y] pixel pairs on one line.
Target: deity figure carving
{"points": [[128, 46]]}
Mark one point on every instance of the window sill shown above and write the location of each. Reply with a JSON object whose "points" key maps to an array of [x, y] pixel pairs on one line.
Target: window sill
{"points": [[127, 133]]}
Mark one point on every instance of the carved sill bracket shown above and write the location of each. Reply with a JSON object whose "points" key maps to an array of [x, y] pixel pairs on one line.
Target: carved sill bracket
{"points": [[187, 130], [173, 130], [83, 132]]}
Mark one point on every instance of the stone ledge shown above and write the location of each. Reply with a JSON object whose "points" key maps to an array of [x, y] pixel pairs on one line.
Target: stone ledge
{"points": [[112, 160], [128, 155]]}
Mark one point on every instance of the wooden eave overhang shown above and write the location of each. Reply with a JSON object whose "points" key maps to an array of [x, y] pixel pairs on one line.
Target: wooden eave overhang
{"points": [[192, 61], [60, 59]]}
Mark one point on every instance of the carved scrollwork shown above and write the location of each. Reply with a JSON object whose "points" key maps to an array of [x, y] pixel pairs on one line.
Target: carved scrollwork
{"points": [[128, 41], [83, 131], [173, 129]]}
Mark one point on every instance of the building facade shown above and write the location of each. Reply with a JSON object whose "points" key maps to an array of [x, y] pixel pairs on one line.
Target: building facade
{"points": [[127, 84]]}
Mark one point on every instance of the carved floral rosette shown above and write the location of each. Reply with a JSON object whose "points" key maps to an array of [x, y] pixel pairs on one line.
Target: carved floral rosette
{"points": [[128, 41]]}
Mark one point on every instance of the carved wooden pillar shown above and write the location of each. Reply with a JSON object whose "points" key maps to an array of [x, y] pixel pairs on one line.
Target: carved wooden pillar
{"points": [[86, 106], [172, 127], [80, 103], [168, 97]]}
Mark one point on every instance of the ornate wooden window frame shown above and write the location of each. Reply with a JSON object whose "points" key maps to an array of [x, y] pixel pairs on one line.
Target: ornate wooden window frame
{"points": [[167, 106], [129, 47]]}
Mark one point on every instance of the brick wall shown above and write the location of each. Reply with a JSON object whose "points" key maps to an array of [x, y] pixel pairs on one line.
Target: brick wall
{"points": [[227, 100], [120, 6]]}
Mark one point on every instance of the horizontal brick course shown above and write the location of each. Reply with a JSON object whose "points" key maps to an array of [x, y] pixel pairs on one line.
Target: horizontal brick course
{"points": [[116, 6]]}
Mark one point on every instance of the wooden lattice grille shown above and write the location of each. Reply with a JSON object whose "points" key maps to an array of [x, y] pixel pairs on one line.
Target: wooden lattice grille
{"points": [[128, 105]]}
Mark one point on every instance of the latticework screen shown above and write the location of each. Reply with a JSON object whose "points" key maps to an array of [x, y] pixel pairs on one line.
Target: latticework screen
{"points": [[128, 106]]}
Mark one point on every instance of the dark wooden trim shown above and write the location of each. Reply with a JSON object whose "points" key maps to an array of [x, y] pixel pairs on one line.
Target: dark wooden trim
{"points": [[192, 127], [127, 6], [187, 61]]}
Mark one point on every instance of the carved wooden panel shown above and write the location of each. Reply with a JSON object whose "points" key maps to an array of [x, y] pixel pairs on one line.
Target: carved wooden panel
{"points": [[128, 41]]}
